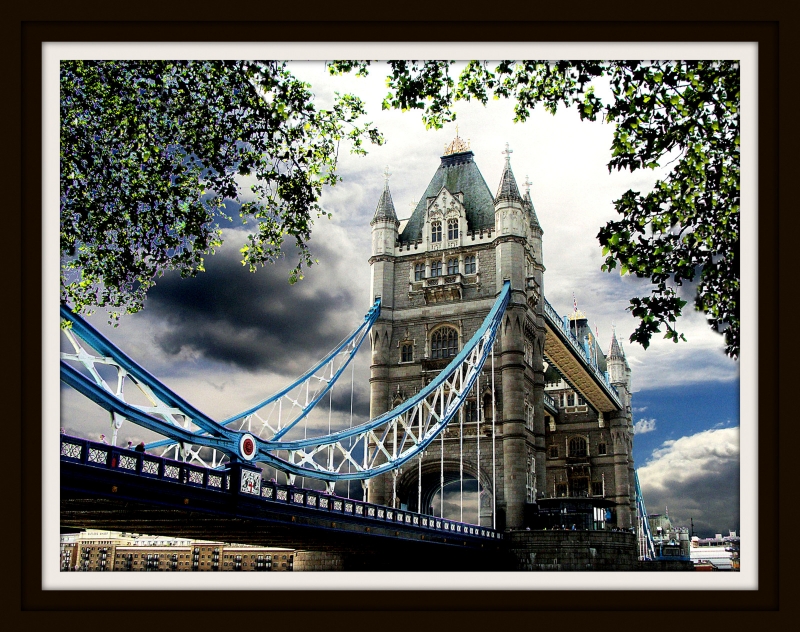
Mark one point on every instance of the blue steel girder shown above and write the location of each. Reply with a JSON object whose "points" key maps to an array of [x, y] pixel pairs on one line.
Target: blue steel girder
{"points": [[570, 359], [399, 435], [168, 410], [645, 535], [394, 437]]}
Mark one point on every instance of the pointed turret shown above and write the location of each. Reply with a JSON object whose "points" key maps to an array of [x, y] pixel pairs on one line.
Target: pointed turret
{"points": [[508, 189], [385, 209], [384, 223], [618, 369], [528, 204], [615, 352]]}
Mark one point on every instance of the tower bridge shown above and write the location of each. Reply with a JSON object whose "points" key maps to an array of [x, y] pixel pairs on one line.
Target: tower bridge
{"points": [[475, 379]]}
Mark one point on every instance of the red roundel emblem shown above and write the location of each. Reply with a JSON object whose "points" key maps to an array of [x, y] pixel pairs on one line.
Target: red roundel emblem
{"points": [[247, 446]]}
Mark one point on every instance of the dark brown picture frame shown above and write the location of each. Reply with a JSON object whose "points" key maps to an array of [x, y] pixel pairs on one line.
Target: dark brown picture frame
{"points": [[404, 604]]}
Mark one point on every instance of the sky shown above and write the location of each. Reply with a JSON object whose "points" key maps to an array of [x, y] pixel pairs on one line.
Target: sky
{"points": [[228, 338]]}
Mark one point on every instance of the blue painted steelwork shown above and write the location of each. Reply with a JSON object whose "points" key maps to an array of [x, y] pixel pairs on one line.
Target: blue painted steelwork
{"points": [[550, 404], [394, 437], [561, 324], [645, 534]]}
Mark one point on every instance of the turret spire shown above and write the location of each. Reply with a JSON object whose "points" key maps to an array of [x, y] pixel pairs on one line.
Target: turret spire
{"points": [[508, 189], [385, 209], [616, 350]]}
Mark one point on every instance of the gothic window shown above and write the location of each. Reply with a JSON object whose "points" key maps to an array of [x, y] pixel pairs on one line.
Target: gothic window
{"points": [[553, 451], [487, 406], [444, 343], [530, 479], [601, 449], [577, 447], [436, 269], [581, 401], [571, 399], [436, 231], [452, 266], [471, 410], [452, 229], [469, 265], [419, 271], [597, 488], [529, 416], [406, 352]]}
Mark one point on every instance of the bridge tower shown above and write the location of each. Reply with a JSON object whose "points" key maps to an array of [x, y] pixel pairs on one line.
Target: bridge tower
{"points": [[438, 278], [622, 433], [382, 263]]}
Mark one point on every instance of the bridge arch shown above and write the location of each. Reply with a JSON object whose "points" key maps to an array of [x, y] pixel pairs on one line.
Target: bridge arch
{"points": [[408, 492]]}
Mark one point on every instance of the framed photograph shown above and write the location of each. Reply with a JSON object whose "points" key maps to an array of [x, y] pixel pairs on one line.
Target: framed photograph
{"points": [[430, 213]]}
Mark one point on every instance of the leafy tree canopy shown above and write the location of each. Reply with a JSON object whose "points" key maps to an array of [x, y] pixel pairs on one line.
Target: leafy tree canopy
{"points": [[151, 151], [679, 113]]}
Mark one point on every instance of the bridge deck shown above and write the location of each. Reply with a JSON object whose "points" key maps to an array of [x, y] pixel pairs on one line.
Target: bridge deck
{"points": [[108, 487], [565, 353]]}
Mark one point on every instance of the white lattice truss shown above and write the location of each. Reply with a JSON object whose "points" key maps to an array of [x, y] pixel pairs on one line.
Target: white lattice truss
{"points": [[383, 444]]}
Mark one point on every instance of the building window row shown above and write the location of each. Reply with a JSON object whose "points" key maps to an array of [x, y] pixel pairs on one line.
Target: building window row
{"points": [[470, 267], [577, 448]]}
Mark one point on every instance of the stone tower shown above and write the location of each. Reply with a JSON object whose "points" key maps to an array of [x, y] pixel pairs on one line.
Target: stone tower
{"points": [[622, 430], [437, 279]]}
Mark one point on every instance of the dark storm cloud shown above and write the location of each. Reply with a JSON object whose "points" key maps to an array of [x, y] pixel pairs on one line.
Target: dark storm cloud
{"points": [[253, 320], [696, 478]]}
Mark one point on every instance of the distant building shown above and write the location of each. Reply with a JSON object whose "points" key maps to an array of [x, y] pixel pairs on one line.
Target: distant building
{"points": [[668, 540], [110, 551], [719, 553]]}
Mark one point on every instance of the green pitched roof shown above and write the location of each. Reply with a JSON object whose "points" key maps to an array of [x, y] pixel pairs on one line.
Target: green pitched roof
{"points": [[459, 174]]}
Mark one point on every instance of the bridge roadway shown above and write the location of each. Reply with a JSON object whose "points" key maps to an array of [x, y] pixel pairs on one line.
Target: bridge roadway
{"points": [[574, 362], [112, 488]]}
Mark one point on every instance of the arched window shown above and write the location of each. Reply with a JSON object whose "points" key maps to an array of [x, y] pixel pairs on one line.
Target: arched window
{"points": [[419, 271], [452, 266], [487, 406], [406, 352], [436, 231], [470, 410], [444, 343], [436, 269], [577, 447], [469, 265], [452, 229]]}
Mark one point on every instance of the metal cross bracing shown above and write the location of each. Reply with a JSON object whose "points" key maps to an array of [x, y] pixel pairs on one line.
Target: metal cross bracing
{"points": [[276, 414], [365, 450]]}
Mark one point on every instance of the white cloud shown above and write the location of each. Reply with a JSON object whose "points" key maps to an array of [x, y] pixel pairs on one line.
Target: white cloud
{"points": [[697, 477], [644, 426]]}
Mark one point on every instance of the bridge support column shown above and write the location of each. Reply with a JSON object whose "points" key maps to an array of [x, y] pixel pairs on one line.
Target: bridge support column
{"points": [[379, 395], [623, 459], [515, 454]]}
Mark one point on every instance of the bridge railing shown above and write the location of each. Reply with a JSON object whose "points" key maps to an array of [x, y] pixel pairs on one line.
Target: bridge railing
{"points": [[101, 455], [557, 321], [141, 463]]}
